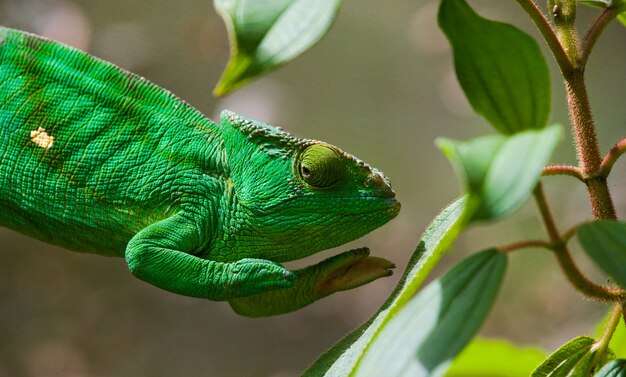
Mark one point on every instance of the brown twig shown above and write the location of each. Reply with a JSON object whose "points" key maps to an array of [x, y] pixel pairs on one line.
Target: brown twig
{"points": [[611, 157], [572, 171], [595, 30], [525, 245], [573, 274]]}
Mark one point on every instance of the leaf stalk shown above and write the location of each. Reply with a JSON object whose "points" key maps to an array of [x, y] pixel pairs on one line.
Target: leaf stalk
{"points": [[611, 157], [548, 33], [601, 345], [572, 171], [598, 26], [567, 264]]}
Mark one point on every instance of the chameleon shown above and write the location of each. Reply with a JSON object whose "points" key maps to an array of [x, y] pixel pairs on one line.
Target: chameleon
{"points": [[96, 159]]}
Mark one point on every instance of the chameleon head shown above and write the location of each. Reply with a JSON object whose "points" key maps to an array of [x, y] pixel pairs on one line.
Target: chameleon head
{"points": [[301, 196]]}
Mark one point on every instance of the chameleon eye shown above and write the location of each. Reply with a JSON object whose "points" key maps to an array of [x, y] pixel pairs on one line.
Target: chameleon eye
{"points": [[320, 166]]}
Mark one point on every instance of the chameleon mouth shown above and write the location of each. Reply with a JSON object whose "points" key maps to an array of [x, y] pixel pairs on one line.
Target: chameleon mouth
{"points": [[387, 206]]}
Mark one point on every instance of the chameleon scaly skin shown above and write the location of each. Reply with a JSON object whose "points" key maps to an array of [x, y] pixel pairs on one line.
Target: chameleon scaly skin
{"points": [[96, 159]]}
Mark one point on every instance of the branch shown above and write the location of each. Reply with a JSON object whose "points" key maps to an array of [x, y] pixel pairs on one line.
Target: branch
{"points": [[595, 30], [549, 34], [573, 274], [546, 215], [524, 245], [601, 345], [572, 171], [571, 232], [580, 281], [611, 157]]}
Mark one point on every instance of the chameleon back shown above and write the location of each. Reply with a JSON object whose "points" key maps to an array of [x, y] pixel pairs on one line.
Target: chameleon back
{"points": [[89, 149]]}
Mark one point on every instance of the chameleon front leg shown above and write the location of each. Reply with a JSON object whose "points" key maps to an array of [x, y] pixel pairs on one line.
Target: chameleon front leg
{"points": [[345, 271], [160, 255]]}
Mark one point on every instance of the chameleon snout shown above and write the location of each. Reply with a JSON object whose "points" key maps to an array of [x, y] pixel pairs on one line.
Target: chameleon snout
{"points": [[380, 184]]}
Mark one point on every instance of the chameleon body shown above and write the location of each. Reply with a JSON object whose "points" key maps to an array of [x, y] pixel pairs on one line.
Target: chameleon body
{"points": [[96, 159]]}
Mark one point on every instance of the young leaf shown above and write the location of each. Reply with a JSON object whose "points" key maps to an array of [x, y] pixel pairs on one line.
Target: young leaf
{"points": [[605, 242], [615, 368], [563, 360], [424, 337], [500, 68], [266, 34], [495, 358], [341, 359], [500, 172]]}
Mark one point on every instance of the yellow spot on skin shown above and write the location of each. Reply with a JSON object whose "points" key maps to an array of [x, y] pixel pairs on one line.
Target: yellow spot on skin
{"points": [[41, 138]]}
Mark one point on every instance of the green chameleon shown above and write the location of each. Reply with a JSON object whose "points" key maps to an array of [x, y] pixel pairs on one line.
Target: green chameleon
{"points": [[96, 159]]}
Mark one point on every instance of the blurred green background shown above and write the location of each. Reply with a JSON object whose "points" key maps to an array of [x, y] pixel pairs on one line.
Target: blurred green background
{"points": [[380, 86]]}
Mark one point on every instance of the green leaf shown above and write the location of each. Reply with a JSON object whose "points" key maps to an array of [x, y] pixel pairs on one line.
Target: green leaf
{"points": [[605, 242], [495, 358], [615, 368], [266, 34], [563, 360], [341, 359], [501, 69], [424, 337], [584, 366], [500, 172]]}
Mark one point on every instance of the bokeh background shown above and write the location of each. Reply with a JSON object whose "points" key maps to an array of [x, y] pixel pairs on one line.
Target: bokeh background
{"points": [[381, 86]]}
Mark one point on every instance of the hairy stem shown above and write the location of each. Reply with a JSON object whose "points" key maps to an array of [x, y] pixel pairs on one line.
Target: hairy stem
{"points": [[546, 215], [595, 30], [573, 274], [602, 344], [564, 16], [611, 157], [548, 33], [525, 245], [587, 148], [572, 171], [583, 124], [580, 281], [563, 42]]}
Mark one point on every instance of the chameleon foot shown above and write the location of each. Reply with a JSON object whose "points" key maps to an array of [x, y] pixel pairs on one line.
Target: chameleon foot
{"points": [[351, 269]]}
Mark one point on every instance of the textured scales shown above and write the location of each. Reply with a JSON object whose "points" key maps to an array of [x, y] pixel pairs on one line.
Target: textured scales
{"points": [[96, 159]]}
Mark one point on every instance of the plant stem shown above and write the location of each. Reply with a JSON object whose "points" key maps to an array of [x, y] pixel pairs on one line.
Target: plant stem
{"points": [[572, 171], [611, 157], [524, 245], [568, 234], [573, 274], [564, 16], [595, 30], [580, 281], [548, 33], [582, 122], [572, 59], [587, 148], [563, 42], [546, 215], [602, 344]]}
